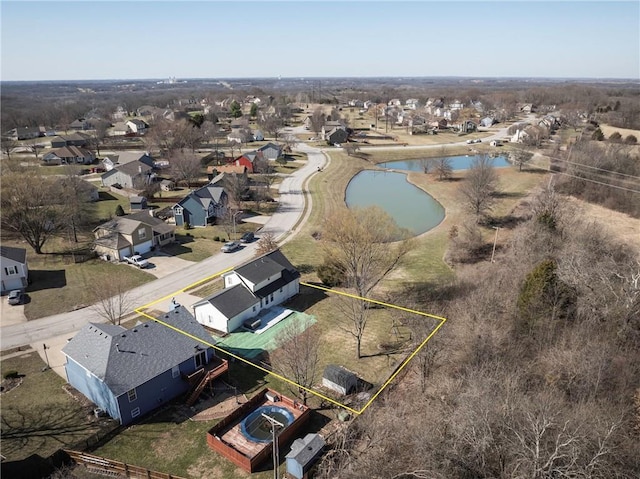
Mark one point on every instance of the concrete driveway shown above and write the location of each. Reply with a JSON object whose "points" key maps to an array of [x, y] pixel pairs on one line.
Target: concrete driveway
{"points": [[11, 314], [162, 264]]}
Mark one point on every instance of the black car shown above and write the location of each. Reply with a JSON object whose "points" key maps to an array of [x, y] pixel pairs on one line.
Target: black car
{"points": [[248, 237]]}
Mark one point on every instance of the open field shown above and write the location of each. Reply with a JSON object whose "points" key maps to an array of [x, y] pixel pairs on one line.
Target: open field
{"points": [[609, 130]]}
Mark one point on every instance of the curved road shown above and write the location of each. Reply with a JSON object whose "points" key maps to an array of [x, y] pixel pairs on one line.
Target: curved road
{"points": [[282, 224]]}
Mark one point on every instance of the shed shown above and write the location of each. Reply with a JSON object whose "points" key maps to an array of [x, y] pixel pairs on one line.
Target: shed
{"points": [[304, 453], [167, 185], [339, 379], [138, 203]]}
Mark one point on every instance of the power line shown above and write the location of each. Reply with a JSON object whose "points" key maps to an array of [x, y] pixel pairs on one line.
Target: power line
{"points": [[585, 179], [595, 168]]}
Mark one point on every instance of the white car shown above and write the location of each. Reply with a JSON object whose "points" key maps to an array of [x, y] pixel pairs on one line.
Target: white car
{"points": [[137, 260], [230, 246]]}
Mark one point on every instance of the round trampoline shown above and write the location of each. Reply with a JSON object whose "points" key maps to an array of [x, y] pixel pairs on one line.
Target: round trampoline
{"points": [[255, 427]]}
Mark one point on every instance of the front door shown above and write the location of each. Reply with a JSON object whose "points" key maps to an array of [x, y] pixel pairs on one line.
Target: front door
{"points": [[201, 359]]}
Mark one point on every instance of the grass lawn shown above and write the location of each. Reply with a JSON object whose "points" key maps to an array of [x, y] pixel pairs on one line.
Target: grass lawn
{"points": [[39, 416]]}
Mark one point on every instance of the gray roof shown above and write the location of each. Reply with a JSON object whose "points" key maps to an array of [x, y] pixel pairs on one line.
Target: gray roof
{"points": [[265, 266], [133, 168], [339, 375], [125, 157], [304, 451], [113, 241], [16, 254], [206, 195], [126, 358], [121, 224], [156, 224], [231, 301]]}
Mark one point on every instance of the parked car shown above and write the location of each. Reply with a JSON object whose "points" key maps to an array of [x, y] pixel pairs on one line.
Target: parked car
{"points": [[248, 237], [230, 246], [137, 260], [15, 297]]}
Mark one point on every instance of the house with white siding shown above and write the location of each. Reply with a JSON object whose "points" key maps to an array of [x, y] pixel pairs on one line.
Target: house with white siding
{"points": [[260, 284]]}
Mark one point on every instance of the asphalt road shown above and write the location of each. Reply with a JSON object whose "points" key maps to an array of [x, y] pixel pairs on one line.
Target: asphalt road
{"points": [[282, 225]]}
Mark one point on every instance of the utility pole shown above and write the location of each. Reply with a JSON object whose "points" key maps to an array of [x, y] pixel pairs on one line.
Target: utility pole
{"points": [[493, 252], [276, 449]]}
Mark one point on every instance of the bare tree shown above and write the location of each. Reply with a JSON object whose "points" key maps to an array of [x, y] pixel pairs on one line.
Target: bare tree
{"points": [[266, 244], [479, 186], [36, 148], [521, 157], [27, 208], [296, 356], [367, 244], [8, 145], [112, 300], [271, 123], [317, 120], [185, 167], [443, 168]]}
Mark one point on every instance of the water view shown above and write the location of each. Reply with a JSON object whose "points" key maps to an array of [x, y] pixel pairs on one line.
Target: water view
{"points": [[457, 163], [411, 207]]}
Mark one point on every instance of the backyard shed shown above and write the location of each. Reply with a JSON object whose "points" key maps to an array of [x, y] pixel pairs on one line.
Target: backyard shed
{"points": [[138, 203], [304, 453], [339, 379]]}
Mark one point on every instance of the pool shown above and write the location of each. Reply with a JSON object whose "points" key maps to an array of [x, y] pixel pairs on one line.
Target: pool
{"points": [[257, 428]]}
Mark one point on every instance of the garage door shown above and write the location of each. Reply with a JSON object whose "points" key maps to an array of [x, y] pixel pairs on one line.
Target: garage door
{"points": [[143, 248]]}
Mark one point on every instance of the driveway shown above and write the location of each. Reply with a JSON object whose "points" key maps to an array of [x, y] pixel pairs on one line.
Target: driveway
{"points": [[162, 264], [11, 314]]}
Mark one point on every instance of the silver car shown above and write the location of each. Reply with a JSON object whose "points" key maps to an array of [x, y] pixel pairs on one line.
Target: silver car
{"points": [[230, 247]]}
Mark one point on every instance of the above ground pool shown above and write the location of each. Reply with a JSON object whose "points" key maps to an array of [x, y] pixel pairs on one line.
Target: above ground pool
{"points": [[257, 428]]}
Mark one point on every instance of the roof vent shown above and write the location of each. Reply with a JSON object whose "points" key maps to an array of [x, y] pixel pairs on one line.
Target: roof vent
{"points": [[118, 348]]}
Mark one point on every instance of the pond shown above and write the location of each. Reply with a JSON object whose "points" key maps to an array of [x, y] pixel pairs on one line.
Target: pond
{"points": [[457, 163], [407, 204]]}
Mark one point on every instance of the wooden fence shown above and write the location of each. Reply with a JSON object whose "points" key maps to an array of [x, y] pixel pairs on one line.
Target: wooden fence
{"points": [[108, 467]]}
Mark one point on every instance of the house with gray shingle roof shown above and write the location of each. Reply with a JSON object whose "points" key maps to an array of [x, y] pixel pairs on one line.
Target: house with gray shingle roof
{"points": [[130, 372], [261, 283], [15, 272], [201, 207]]}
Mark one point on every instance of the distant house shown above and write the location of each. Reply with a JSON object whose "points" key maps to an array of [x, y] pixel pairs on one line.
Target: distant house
{"points": [[132, 234], [527, 108], [68, 155], [136, 126], [15, 271], [81, 124], [74, 139], [261, 283], [128, 169], [258, 135], [167, 185], [129, 373], [339, 379], [456, 105], [24, 133], [231, 168], [336, 136], [440, 123], [270, 151], [519, 136], [468, 126], [487, 122], [119, 129], [201, 207], [248, 160]]}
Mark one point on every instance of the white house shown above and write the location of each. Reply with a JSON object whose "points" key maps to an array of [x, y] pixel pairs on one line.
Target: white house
{"points": [[260, 284], [15, 272]]}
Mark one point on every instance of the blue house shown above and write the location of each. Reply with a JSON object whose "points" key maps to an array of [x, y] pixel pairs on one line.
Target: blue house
{"points": [[130, 372], [201, 207]]}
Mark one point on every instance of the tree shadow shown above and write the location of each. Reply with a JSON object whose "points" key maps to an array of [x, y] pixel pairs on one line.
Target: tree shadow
{"points": [[40, 279], [106, 196]]}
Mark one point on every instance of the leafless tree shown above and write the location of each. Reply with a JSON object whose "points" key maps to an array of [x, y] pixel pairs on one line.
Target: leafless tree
{"points": [[442, 166], [360, 241], [185, 167], [8, 145], [296, 356], [317, 120], [271, 123], [266, 244], [521, 157], [479, 186], [112, 299], [27, 208], [36, 148]]}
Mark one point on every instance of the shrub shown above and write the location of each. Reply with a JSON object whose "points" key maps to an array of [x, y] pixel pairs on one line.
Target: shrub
{"points": [[615, 136], [216, 238], [11, 375], [331, 273], [597, 135], [119, 210], [631, 140]]}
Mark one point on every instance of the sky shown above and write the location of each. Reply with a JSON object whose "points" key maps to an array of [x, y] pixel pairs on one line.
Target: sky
{"points": [[105, 40]]}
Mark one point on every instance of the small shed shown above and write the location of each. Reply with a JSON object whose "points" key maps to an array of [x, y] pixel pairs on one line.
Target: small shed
{"points": [[339, 379], [304, 453], [138, 203], [258, 136]]}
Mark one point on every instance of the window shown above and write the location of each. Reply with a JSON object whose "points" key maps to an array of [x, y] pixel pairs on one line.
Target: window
{"points": [[178, 210], [135, 412], [281, 290], [142, 233], [132, 395], [9, 270], [254, 309], [271, 298], [175, 371], [201, 359]]}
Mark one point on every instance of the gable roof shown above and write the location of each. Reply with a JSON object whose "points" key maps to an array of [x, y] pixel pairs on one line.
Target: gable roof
{"points": [[339, 375], [265, 266], [303, 451], [231, 301], [18, 255], [126, 358], [156, 224], [125, 157], [205, 196], [122, 224], [133, 168]]}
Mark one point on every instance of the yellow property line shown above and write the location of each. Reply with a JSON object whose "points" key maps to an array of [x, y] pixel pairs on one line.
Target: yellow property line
{"points": [[442, 320]]}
